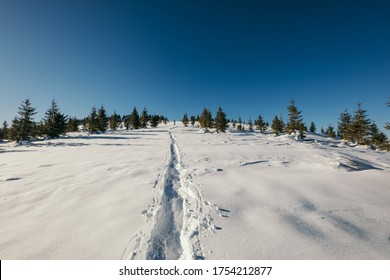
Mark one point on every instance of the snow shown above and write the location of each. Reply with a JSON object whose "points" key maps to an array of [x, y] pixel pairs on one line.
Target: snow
{"points": [[175, 193]]}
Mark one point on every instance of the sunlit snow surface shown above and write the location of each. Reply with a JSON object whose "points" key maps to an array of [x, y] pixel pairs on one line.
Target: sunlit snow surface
{"points": [[179, 193]]}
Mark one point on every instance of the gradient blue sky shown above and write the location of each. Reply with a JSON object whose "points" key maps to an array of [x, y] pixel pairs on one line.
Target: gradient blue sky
{"points": [[250, 57]]}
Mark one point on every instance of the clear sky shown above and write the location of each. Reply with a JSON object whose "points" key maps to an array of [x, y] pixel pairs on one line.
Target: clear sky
{"points": [[250, 57]]}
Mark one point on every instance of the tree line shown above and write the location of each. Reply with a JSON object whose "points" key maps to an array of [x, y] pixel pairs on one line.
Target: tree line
{"points": [[356, 128], [55, 123]]}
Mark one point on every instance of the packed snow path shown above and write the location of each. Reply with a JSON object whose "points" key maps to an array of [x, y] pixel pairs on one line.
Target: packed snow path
{"points": [[174, 235]]}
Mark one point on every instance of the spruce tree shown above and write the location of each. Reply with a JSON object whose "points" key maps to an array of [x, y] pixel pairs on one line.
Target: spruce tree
{"points": [[54, 123], [277, 126], [220, 122], [377, 138], [192, 120], [102, 119], [360, 126], [250, 125], [144, 119], [344, 128], [295, 122], [312, 127], [4, 131], [206, 119], [154, 120], [72, 125], [24, 125], [185, 119], [92, 122], [261, 125], [114, 121], [330, 131], [240, 126], [134, 119]]}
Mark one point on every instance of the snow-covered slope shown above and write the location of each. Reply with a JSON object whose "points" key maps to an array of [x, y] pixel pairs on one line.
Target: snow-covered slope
{"points": [[175, 193]]}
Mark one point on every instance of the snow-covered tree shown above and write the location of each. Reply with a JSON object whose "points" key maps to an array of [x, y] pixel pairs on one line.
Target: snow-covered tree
{"points": [[54, 122], [220, 122]]}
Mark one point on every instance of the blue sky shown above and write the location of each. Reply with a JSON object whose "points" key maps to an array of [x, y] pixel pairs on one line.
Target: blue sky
{"points": [[250, 57]]}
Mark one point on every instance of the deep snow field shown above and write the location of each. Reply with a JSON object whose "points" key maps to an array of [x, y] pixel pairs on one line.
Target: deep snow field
{"points": [[176, 193]]}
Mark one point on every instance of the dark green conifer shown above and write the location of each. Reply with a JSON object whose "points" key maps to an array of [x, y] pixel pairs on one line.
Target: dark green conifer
{"points": [[360, 126], [312, 127], [220, 122], [134, 119], [23, 127], [344, 128], [277, 126], [295, 122], [261, 125], [102, 119], [206, 119], [144, 119], [114, 121], [185, 119], [54, 123], [330, 131], [192, 120], [92, 122]]}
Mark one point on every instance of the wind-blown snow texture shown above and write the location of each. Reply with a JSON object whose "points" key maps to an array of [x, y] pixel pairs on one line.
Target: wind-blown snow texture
{"points": [[175, 193]]}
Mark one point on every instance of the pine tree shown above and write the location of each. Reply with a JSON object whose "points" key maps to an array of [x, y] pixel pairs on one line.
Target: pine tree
{"points": [[185, 119], [277, 126], [220, 122], [360, 126], [114, 121], [261, 125], [72, 125], [206, 119], [134, 120], [92, 122], [378, 138], [144, 119], [102, 119], [344, 128], [330, 131], [312, 127], [4, 131], [192, 120], [154, 120], [54, 123], [23, 126], [240, 126], [250, 125], [295, 123]]}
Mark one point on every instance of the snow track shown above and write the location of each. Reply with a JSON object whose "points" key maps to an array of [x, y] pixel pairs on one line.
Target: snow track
{"points": [[177, 222]]}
